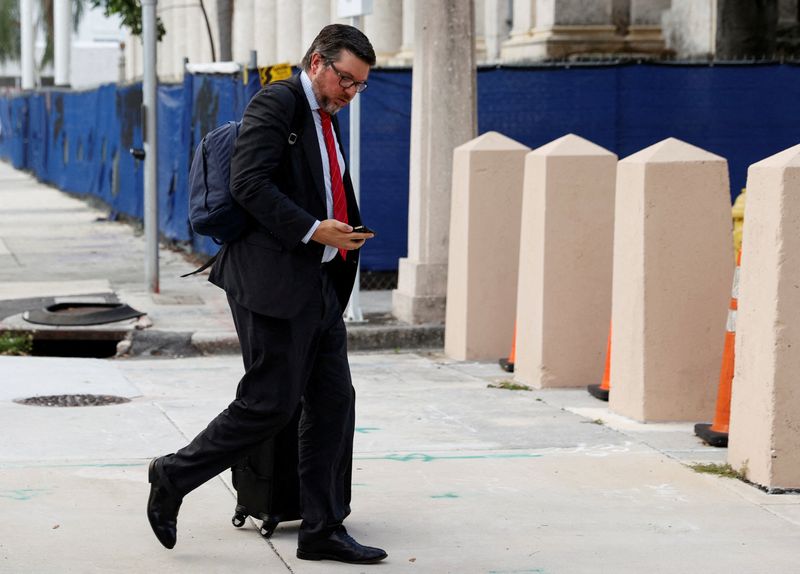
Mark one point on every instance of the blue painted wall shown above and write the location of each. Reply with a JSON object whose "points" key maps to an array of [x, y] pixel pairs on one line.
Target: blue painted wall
{"points": [[79, 141]]}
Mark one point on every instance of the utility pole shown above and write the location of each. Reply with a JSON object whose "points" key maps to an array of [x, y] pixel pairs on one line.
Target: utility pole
{"points": [[150, 140]]}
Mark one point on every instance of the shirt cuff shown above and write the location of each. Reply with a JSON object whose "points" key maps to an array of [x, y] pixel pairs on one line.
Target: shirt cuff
{"points": [[311, 231]]}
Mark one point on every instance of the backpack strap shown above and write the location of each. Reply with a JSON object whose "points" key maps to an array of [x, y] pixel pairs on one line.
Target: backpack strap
{"points": [[203, 267], [297, 123]]}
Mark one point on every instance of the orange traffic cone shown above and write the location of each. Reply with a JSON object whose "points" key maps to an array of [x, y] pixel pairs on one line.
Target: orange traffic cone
{"points": [[508, 364], [601, 391], [716, 433]]}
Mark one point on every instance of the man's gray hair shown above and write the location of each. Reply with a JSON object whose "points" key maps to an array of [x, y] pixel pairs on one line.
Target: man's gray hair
{"points": [[334, 38]]}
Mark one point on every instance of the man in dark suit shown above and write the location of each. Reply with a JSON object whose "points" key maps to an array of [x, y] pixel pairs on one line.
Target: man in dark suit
{"points": [[288, 280]]}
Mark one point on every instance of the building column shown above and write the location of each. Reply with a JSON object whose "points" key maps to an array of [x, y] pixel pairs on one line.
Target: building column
{"points": [[243, 30], [568, 27], [479, 11], [523, 21], [689, 28], [166, 11], [198, 45], [27, 40], [287, 31], [180, 33], [134, 57], [644, 32], [62, 32], [406, 54], [496, 27], [265, 30], [444, 63], [384, 28], [316, 15], [788, 12]]}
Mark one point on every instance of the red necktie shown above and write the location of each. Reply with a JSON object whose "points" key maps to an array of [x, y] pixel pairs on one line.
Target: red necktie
{"points": [[337, 185]]}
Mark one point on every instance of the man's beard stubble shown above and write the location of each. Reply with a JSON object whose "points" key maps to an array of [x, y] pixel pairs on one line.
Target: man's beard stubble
{"points": [[323, 101]]}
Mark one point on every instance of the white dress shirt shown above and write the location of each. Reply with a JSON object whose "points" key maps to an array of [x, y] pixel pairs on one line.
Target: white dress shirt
{"points": [[330, 252]]}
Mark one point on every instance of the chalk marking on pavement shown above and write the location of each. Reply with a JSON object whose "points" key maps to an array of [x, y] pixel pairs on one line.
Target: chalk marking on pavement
{"points": [[366, 430], [445, 495], [450, 418], [23, 493]]}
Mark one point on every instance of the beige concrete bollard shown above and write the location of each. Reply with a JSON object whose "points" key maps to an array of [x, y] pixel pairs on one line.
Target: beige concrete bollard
{"points": [[765, 406], [673, 268], [484, 247], [564, 289]]}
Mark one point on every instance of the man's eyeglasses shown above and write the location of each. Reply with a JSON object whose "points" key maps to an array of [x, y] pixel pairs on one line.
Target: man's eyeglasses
{"points": [[346, 81]]}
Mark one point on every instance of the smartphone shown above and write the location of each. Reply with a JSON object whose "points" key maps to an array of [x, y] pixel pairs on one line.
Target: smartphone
{"points": [[362, 229]]}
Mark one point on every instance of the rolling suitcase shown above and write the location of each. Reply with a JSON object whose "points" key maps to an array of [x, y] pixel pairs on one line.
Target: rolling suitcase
{"points": [[267, 484]]}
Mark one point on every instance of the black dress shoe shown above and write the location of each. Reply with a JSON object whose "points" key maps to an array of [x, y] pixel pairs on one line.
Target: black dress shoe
{"points": [[339, 546], [163, 505]]}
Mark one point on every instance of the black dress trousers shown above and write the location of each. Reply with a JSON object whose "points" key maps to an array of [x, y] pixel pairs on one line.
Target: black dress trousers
{"points": [[286, 361]]}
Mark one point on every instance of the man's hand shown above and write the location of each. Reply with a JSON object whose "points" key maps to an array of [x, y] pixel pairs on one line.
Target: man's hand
{"points": [[340, 235]]}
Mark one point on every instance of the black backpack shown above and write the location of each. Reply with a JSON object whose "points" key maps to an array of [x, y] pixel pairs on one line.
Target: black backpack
{"points": [[212, 210]]}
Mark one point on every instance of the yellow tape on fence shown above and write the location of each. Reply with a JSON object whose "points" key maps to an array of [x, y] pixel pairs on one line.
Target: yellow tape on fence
{"points": [[269, 74]]}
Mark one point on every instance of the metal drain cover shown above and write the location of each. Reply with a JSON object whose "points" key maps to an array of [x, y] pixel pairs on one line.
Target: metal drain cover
{"points": [[73, 401]]}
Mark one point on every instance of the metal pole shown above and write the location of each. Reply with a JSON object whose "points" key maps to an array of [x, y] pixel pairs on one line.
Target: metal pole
{"points": [[149, 89], [62, 30], [26, 36], [353, 312]]}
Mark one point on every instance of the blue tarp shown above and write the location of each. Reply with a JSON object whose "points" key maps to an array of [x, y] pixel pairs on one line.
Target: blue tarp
{"points": [[80, 141]]}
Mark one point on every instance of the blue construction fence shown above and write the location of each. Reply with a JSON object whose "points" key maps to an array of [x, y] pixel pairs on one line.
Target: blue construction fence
{"points": [[79, 141]]}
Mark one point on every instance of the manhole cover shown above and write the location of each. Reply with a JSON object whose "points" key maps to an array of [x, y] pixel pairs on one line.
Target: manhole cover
{"points": [[73, 401], [81, 314]]}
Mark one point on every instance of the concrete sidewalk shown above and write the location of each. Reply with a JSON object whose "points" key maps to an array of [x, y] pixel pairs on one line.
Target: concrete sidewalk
{"points": [[56, 247], [450, 476]]}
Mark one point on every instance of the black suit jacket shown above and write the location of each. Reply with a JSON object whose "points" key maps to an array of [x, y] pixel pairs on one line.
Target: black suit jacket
{"points": [[269, 270]]}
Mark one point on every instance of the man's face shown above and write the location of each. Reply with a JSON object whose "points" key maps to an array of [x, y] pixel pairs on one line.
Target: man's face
{"points": [[325, 81]]}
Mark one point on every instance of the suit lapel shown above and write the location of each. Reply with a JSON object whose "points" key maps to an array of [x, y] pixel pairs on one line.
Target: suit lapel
{"points": [[311, 147], [309, 141]]}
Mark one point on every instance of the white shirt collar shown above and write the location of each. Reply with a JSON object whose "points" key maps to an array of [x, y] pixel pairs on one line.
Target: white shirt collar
{"points": [[312, 99]]}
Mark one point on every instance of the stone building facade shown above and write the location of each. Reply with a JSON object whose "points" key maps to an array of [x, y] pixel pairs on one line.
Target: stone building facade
{"points": [[506, 31]]}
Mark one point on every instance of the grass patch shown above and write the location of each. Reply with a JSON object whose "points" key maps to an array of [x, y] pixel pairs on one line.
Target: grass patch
{"points": [[717, 469], [509, 386], [15, 343]]}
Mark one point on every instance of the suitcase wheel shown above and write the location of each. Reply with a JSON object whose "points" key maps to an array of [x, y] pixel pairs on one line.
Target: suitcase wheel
{"points": [[268, 527], [238, 519]]}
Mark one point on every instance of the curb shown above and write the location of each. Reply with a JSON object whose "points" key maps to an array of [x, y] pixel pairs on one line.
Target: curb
{"points": [[359, 338], [387, 337], [152, 342]]}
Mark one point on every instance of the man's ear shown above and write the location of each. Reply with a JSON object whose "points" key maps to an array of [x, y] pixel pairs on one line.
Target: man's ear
{"points": [[316, 62]]}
